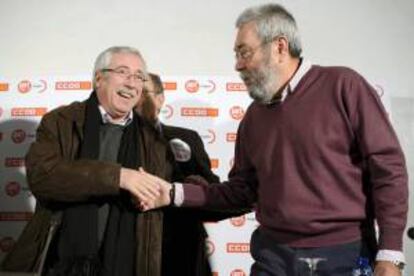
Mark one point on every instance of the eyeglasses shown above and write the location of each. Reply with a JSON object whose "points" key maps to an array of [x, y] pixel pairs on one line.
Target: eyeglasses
{"points": [[153, 93], [245, 53], [124, 73]]}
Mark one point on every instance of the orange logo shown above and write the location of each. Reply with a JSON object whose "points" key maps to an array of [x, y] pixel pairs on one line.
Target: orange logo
{"points": [[231, 136], [237, 272], [15, 216], [6, 244], [237, 247], [12, 188], [192, 86], [24, 86], [73, 85], [18, 136], [235, 87], [237, 112], [167, 111], [199, 112], [238, 221], [28, 111], [210, 248], [170, 85], [13, 162], [4, 87], [214, 163]]}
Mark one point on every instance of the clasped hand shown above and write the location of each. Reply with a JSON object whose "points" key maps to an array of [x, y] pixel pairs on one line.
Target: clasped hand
{"points": [[148, 191]]}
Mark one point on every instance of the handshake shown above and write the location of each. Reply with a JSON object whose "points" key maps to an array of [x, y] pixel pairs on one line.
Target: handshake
{"points": [[148, 191]]}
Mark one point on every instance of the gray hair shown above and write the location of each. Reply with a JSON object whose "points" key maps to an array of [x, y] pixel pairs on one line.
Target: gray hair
{"points": [[273, 20], [104, 58]]}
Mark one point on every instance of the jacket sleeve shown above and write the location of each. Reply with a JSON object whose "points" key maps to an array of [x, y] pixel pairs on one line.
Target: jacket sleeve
{"points": [[54, 175], [384, 160]]}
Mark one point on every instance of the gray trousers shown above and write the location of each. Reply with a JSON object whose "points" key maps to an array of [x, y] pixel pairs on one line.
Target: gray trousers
{"points": [[272, 259]]}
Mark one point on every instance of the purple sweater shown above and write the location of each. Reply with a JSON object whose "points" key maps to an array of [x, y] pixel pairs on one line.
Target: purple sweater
{"points": [[306, 162]]}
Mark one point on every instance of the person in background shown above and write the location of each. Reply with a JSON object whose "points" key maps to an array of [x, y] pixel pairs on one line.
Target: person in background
{"points": [[318, 155], [186, 144], [84, 169], [184, 234]]}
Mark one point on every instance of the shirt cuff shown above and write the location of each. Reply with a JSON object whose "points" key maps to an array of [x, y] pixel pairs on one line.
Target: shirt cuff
{"points": [[179, 194], [390, 256]]}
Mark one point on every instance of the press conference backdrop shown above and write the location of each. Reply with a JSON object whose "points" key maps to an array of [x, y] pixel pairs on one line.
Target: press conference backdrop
{"points": [[48, 48], [212, 105]]}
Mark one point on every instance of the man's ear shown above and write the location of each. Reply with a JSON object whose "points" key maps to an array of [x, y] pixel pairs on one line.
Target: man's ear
{"points": [[98, 78], [280, 46]]}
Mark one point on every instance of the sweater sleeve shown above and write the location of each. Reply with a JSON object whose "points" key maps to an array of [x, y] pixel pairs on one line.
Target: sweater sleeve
{"points": [[383, 159], [240, 191]]}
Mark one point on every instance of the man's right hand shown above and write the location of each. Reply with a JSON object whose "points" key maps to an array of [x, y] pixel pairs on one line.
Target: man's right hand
{"points": [[142, 187], [149, 191], [164, 193]]}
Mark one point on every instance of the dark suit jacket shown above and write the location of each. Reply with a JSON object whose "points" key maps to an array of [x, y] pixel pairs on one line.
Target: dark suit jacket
{"points": [[199, 163], [184, 234], [184, 248]]}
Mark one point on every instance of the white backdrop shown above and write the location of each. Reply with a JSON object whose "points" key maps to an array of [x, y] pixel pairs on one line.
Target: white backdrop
{"points": [[45, 40], [212, 105]]}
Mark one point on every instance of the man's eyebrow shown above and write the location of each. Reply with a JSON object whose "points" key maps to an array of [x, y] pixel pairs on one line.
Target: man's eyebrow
{"points": [[239, 46]]}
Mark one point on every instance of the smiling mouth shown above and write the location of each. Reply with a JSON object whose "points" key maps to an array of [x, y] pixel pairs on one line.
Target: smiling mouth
{"points": [[125, 94]]}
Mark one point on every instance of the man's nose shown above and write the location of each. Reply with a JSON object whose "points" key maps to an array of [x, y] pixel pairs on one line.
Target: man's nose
{"points": [[130, 82], [240, 65]]}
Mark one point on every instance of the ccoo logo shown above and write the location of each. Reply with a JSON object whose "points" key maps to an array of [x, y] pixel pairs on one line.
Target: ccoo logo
{"points": [[237, 112], [12, 188], [24, 86], [6, 244], [238, 221], [192, 86], [18, 136], [238, 272]]}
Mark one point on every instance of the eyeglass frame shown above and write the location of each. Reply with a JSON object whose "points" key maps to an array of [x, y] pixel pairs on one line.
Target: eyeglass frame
{"points": [[152, 92], [137, 77], [240, 55]]}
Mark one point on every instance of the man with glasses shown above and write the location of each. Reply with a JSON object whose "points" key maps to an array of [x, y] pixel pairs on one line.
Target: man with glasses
{"points": [[84, 169], [317, 154]]}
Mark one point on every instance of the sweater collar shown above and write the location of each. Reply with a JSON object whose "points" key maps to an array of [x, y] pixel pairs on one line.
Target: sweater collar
{"points": [[304, 66], [106, 118]]}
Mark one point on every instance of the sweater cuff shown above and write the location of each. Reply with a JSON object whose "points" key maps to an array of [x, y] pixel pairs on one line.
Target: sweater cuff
{"points": [[390, 256]]}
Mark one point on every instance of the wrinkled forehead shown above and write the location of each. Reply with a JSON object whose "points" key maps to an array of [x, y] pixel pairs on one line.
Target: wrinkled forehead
{"points": [[131, 61]]}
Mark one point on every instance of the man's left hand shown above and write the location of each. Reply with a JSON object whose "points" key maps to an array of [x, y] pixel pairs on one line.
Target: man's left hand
{"points": [[385, 268]]}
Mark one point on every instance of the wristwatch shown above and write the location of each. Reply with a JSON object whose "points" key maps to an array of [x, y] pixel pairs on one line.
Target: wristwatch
{"points": [[398, 264], [172, 195]]}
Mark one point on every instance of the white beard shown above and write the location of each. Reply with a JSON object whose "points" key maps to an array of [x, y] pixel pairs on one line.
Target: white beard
{"points": [[263, 82]]}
